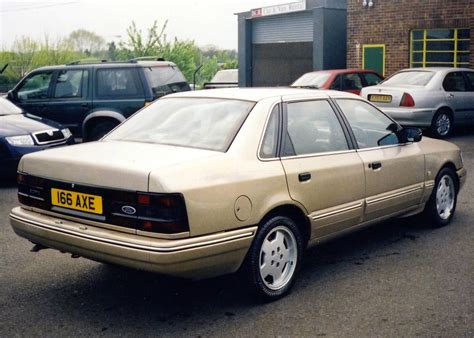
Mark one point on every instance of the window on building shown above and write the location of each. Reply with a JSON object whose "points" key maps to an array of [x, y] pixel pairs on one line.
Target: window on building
{"points": [[440, 47]]}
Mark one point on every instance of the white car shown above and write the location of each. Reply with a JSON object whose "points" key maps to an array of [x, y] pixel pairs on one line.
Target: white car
{"points": [[435, 98]]}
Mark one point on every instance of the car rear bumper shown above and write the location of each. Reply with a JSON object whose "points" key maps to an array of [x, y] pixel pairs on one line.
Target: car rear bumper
{"points": [[420, 117], [194, 257]]}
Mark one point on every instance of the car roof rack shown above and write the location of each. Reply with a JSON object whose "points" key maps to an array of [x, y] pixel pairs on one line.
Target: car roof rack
{"points": [[86, 61], [147, 58], [99, 61]]}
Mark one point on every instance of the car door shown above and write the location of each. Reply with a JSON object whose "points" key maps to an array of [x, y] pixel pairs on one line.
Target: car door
{"points": [[33, 93], [70, 98], [469, 76], [324, 173], [457, 95], [119, 90], [394, 171]]}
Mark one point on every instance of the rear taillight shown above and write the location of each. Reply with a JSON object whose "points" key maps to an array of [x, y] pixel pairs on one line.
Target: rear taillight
{"points": [[160, 213], [31, 190], [407, 101]]}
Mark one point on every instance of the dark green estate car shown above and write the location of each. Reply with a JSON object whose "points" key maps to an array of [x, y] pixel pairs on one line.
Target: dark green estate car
{"points": [[92, 98]]}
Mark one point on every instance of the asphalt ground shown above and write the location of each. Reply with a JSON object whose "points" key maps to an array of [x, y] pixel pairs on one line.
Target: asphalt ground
{"points": [[398, 278]]}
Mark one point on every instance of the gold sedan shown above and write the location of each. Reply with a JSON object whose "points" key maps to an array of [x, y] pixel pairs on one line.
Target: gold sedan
{"points": [[200, 184]]}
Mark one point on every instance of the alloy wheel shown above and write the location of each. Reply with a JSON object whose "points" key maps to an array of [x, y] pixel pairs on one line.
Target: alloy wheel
{"points": [[445, 195], [278, 258]]}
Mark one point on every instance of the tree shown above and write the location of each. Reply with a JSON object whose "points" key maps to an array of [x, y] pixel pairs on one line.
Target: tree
{"points": [[24, 49], [139, 45], [86, 42]]}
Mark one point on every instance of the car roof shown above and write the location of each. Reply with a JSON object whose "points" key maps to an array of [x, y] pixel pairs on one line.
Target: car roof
{"points": [[435, 69], [258, 94], [344, 71]]}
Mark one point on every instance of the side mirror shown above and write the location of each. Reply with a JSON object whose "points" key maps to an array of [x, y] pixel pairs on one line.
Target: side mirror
{"points": [[11, 95], [410, 134]]}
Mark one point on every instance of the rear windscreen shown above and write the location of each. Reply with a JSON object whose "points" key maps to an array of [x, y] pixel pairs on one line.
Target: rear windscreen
{"points": [[412, 77], [165, 80]]}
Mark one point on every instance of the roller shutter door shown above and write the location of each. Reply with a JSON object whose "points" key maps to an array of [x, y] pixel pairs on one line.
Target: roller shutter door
{"points": [[283, 28]]}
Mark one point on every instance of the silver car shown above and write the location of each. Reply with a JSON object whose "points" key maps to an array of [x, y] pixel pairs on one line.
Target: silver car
{"points": [[434, 98]]}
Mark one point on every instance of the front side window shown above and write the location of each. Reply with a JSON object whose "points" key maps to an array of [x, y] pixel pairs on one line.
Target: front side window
{"points": [[186, 122], [70, 84], [351, 82], [371, 128], [440, 47], [35, 87], [454, 82], [312, 128], [118, 83]]}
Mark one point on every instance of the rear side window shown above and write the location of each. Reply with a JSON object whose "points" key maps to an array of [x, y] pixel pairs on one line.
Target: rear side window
{"points": [[165, 80], [454, 82], [71, 84], [270, 141], [118, 83], [312, 127]]}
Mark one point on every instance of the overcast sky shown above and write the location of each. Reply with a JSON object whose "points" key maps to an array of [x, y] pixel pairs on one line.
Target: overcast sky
{"points": [[204, 21]]}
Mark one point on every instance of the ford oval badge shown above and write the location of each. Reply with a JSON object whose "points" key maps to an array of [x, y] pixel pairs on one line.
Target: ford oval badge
{"points": [[129, 210]]}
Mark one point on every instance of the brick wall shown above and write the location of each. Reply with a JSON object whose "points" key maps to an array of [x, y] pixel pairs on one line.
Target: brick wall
{"points": [[389, 22]]}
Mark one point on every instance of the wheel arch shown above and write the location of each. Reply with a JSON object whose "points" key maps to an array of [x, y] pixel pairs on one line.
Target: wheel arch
{"points": [[445, 108], [451, 166], [294, 212], [101, 115]]}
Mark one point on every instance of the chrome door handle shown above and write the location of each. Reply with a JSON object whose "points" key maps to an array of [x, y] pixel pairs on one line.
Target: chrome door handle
{"points": [[451, 96]]}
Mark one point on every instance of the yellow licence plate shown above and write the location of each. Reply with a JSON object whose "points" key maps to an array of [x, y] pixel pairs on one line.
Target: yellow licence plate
{"points": [[381, 98], [76, 200]]}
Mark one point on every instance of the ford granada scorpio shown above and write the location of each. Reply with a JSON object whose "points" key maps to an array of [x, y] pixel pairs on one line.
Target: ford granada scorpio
{"points": [[208, 183]]}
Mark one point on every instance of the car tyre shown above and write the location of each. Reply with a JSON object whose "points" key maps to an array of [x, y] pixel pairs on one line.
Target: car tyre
{"points": [[442, 203], [274, 258], [100, 129], [442, 124]]}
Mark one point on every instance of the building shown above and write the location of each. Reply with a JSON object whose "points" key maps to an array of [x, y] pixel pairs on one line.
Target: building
{"points": [[279, 43], [389, 35]]}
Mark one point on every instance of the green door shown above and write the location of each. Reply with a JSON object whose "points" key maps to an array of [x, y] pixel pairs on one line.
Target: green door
{"points": [[373, 57]]}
